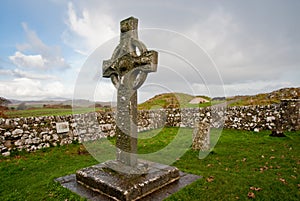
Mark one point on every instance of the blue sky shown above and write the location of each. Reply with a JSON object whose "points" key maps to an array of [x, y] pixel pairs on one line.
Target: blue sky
{"points": [[254, 45]]}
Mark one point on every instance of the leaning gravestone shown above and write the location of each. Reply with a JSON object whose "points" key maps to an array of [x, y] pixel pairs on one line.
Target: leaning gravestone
{"points": [[201, 136], [127, 177]]}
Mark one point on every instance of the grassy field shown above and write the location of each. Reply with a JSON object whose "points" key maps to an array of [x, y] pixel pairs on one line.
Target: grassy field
{"points": [[36, 112], [46, 112], [242, 163]]}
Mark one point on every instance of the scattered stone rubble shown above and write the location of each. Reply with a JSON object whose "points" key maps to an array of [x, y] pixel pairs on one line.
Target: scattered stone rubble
{"points": [[32, 133]]}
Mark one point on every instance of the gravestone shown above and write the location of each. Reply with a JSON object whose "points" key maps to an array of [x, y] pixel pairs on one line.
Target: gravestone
{"points": [[127, 177], [201, 136]]}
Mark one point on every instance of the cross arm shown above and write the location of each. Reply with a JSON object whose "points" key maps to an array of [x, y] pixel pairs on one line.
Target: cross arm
{"points": [[146, 62]]}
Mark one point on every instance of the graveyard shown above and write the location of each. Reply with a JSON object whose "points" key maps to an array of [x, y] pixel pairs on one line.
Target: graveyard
{"points": [[242, 162], [149, 100], [173, 146], [246, 163]]}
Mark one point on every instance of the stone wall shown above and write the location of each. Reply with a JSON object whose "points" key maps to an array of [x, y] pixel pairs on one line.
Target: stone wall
{"points": [[284, 116], [34, 133]]}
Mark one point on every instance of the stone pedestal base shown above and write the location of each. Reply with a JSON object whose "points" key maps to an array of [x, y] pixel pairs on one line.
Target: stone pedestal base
{"points": [[127, 186]]}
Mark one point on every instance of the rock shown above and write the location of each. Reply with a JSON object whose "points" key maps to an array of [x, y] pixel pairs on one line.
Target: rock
{"points": [[17, 132], [40, 146], [2, 130], [33, 148], [46, 137], [6, 154], [44, 133], [73, 125], [55, 137], [7, 122], [28, 142], [25, 126], [8, 144], [7, 134], [256, 130], [270, 119], [46, 145], [277, 133], [18, 143]]}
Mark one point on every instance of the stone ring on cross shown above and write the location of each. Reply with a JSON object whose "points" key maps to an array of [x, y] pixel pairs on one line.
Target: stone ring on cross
{"points": [[131, 61], [128, 69]]}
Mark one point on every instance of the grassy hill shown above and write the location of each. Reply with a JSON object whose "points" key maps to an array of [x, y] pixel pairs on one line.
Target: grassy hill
{"points": [[266, 98], [181, 100], [166, 100], [170, 100]]}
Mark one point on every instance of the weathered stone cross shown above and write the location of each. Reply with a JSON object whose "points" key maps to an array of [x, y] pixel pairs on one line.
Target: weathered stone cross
{"points": [[128, 69]]}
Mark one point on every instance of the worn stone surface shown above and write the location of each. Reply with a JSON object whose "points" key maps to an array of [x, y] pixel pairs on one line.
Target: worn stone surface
{"points": [[127, 186], [128, 69], [201, 137], [70, 182], [38, 132]]}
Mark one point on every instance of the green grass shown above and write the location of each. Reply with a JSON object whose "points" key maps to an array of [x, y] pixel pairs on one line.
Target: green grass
{"points": [[46, 112], [240, 160], [30, 176]]}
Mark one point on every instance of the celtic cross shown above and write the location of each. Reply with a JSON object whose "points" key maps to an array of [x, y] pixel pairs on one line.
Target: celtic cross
{"points": [[128, 69]]}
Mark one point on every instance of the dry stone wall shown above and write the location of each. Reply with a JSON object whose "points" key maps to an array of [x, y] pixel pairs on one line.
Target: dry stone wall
{"points": [[34, 133]]}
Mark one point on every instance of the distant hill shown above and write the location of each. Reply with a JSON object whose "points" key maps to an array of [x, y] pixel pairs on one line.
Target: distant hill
{"points": [[61, 101], [176, 100], [169, 100], [265, 98]]}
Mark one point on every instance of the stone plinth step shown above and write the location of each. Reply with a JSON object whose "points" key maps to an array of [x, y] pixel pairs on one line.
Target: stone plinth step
{"points": [[123, 186]]}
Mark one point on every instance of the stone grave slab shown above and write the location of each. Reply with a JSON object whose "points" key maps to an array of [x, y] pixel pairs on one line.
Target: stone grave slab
{"points": [[70, 182]]}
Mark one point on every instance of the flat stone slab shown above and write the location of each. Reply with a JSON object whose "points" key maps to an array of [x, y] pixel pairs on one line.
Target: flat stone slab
{"points": [[158, 192], [122, 182]]}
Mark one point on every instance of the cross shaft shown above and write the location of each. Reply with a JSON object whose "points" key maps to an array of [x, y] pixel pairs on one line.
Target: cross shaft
{"points": [[128, 69]]}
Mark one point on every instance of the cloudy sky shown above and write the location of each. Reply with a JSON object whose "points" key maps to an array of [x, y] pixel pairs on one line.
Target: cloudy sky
{"points": [[55, 48]]}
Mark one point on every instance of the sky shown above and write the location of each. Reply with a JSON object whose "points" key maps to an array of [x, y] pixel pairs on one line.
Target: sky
{"points": [[55, 48]]}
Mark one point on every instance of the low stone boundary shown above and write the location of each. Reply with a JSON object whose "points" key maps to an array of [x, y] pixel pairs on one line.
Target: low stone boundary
{"points": [[34, 133]]}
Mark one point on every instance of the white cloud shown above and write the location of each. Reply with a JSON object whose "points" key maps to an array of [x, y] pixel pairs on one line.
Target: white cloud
{"points": [[244, 55], [105, 91], [44, 57], [88, 28], [28, 89], [214, 30], [28, 61], [34, 76], [25, 74]]}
